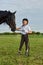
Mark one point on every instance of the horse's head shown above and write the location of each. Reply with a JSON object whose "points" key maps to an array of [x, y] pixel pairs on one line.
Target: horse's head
{"points": [[11, 20]]}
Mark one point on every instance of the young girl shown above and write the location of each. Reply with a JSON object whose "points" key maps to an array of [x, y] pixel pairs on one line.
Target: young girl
{"points": [[25, 30]]}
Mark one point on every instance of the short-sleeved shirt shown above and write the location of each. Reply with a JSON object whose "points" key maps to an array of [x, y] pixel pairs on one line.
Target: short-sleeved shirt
{"points": [[25, 29]]}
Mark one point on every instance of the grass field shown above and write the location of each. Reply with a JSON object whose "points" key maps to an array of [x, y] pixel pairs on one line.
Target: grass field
{"points": [[9, 45]]}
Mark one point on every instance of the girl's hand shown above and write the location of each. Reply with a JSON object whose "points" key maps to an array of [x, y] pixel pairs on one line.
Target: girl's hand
{"points": [[17, 28], [28, 32]]}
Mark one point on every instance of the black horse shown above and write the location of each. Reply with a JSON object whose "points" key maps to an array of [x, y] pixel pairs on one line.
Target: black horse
{"points": [[8, 18]]}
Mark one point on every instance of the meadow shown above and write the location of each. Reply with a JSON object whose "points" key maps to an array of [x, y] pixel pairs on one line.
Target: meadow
{"points": [[9, 45]]}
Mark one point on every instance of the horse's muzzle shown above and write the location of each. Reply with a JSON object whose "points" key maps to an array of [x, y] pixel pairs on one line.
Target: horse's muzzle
{"points": [[13, 30]]}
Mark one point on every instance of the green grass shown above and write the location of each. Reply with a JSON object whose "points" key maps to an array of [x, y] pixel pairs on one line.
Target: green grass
{"points": [[9, 45]]}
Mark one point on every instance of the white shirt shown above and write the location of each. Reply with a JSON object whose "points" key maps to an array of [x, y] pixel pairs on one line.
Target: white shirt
{"points": [[25, 29]]}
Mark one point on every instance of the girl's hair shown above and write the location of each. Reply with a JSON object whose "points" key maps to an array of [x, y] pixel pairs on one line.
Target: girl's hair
{"points": [[25, 19]]}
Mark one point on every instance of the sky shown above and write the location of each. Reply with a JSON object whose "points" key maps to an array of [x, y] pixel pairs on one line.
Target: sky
{"points": [[31, 9]]}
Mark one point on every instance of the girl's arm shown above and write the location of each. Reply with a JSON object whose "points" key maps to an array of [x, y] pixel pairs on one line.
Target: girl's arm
{"points": [[28, 32], [17, 28]]}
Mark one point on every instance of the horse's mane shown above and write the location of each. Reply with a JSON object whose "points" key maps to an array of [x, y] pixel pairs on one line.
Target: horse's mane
{"points": [[4, 13]]}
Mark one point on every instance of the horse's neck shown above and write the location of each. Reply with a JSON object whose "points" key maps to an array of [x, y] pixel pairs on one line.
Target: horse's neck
{"points": [[2, 20], [3, 15]]}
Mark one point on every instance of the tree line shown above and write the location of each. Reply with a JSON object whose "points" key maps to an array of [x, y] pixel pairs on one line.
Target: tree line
{"points": [[14, 33]]}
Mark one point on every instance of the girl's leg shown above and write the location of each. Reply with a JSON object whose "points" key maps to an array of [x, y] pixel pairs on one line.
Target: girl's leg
{"points": [[21, 43], [26, 44]]}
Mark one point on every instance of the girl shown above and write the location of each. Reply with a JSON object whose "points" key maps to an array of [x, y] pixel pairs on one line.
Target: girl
{"points": [[25, 30]]}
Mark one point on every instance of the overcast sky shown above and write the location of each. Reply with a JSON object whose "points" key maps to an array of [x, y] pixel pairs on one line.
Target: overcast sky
{"points": [[31, 9]]}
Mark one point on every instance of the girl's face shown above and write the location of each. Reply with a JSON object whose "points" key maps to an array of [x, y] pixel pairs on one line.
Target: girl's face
{"points": [[24, 22]]}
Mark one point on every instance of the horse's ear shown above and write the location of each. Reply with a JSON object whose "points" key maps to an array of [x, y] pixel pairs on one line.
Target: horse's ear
{"points": [[14, 12]]}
